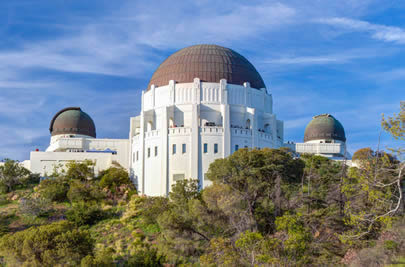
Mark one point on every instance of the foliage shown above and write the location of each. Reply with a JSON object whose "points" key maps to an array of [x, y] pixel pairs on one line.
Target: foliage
{"points": [[257, 176], [80, 170], [12, 174], [54, 189], [115, 177], [395, 125], [84, 191], [83, 213], [48, 245]]}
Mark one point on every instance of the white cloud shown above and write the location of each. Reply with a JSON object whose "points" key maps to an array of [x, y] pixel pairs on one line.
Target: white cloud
{"points": [[377, 31]]}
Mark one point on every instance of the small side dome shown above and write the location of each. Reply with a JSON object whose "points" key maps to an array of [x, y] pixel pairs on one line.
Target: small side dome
{"points": [[72, 120], [324, 126]]}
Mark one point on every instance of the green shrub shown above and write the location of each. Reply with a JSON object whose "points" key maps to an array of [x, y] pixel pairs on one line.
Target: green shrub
{"points": [[48, 245], [83, 213], [146, 257], [84, 191], [80, 170], [4, 200], [54, 189], [391, 245], [115, 177]]}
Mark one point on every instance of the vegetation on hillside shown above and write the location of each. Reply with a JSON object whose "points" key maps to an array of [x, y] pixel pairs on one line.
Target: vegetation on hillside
{"points": [[264, 208]]}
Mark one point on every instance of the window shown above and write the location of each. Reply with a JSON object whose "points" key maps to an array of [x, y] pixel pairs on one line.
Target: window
{"points": [[215, 148], [137, 155], [246, 146], [174, 149], [133, 157], [178, 177], [156, 151], [183, 148], [148, 152], [236, 147], [205, 148]]}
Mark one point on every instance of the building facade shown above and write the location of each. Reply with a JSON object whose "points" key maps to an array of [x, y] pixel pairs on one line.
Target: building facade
{"points": [[203, 103], [73, 138]]}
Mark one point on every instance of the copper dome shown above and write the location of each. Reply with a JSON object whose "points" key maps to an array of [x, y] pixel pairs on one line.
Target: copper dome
{"points": [[324, 126], [72, 120], [210, 63]]}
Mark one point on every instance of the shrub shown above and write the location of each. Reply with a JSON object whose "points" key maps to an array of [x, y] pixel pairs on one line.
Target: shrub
{"points": [[84, 191], [54, 189], [115, 177], [35, 206], [48, 245], [80, 170], [83, 213], [146, 257]]}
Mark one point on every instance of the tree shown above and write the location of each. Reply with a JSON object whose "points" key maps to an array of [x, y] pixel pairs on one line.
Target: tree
{"points": [[264, 179], [12, 174], [80, 170], [48, 245], [375, 190]]}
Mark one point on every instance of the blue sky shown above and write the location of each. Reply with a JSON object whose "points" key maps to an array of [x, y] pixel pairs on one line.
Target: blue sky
{"points": [[344, 57]]}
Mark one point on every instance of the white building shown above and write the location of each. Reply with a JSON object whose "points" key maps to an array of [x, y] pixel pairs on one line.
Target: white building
{"points": [[73, 138], [325, 136], [203, 103]]}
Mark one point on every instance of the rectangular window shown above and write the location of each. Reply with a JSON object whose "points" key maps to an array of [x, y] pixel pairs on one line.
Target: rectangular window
{"points": [[133, 157], [148, 152], [178, 177], [236, 147], [205, 148], [246, 146], [183, 148], [215, 148], [156, 151], [137, 155], [174, 149]]}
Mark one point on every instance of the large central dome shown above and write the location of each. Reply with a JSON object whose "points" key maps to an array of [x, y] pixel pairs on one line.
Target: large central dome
{"points": [[210, 63]]}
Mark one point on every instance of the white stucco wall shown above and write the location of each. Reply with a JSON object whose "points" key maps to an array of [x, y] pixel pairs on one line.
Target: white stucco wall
{"points": [[178, 113]]}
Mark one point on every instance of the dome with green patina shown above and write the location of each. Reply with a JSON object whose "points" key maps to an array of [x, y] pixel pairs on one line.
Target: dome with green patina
{"points": [[324, 126], [72, 120]]}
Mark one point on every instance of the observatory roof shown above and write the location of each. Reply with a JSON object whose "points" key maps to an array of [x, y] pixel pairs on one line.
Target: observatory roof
{"points": [[324, 126], [210, 63], [72, 120]]}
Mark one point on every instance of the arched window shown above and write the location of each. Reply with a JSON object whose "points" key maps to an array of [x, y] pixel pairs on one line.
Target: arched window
{"points": [[267, 128], [149, 126], [248, 124], [171, 122]]}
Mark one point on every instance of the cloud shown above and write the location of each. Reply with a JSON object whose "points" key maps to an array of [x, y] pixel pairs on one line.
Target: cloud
{"points": [[377, 31]]}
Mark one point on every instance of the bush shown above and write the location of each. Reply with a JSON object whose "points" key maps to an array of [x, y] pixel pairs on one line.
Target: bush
{"points": [[80, 170], [54, 189], [35, 206], [146, 257], [84, 191], [83, 213], [115, 177], [48, 245]]}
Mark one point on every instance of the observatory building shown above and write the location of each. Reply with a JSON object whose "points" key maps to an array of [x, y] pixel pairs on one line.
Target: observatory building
{"points": [[325, 136], [203, 102], [73, 137]]}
